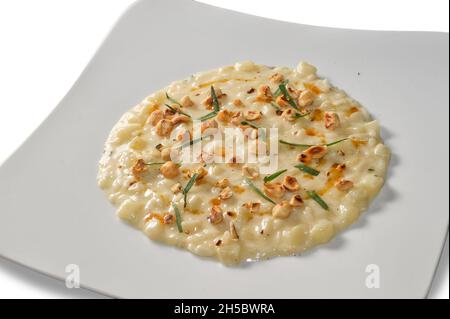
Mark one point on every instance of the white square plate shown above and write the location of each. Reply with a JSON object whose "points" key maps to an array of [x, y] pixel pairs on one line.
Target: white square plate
{"points": [[53, 214]]}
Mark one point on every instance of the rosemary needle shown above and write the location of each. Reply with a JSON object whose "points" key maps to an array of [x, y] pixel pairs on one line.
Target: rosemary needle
{"points": [[258, 191], [274, 175]]}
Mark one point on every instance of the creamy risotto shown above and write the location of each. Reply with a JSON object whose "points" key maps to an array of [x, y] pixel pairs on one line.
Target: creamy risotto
{"points": [[330, 163]]}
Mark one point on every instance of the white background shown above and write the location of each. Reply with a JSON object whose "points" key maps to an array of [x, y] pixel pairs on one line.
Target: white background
{"points": [[45, 44]]}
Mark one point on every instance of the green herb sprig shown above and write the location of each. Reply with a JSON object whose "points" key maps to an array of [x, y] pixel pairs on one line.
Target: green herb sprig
{"points": [[288, 97], [173, 100], [307, 169], [188, 187], [318, 199], [177, 111], [258, 191], [311, 145], [208, 116], [274, 175], [215, 100], [216, 107], [177, 218], [251, 124], [278, 91], [299, 115]]}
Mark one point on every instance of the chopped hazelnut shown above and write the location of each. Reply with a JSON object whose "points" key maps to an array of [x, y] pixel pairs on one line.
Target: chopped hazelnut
{"points": [[155, 117], [164, 127], [186, 101], [226, 193], [290, 183], [170, 170], [275, 190], [277, 78], [222, 183], [305, 99], [178, 119], [296, 201], [289, 115], [282, 210], [216, 215], [139, 168], [168, 218], [281, 101], [238, 103], [250, 172], [253, 207], [332, 121], [252, 115]]}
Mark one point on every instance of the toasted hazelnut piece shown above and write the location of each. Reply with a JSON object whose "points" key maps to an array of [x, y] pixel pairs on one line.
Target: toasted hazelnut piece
{"points": [[304, 158], [275, 190], [164, 127], [222, 183], [216, 215], [155, 117], [264, 94], [296, 201], [305, 99], [233, 231], [165, 154], [180, 118], [264, 90], [277, 78], [253, 207], [168, 113], [237, 118], [290, 183], [210, 124], [316, 152], [186, 101], [177, 188], [219, 93], [226, 193], [202, 172], [139, 168], [252, 115], [332, 121], [294, 93], [238, 103], [170, 170], [208, 103], [250, 172], [289, 115], [282, 210], [281, 101], [344, 185], [168, 219], [224, 116]]}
